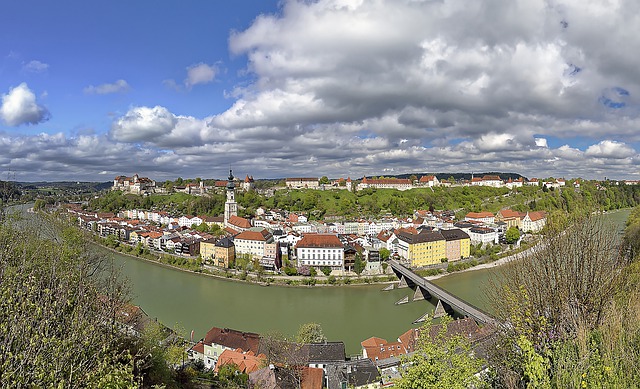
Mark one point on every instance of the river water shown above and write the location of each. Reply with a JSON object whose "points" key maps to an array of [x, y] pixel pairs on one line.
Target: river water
{"points": [[347, 313]]}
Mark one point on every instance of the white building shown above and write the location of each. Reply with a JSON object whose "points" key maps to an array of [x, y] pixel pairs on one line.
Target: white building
{"points": [[320, 250], [253, 243]]}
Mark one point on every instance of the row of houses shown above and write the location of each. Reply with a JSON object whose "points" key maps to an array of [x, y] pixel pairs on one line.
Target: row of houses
{"points": [[272, 363], [427, 238], [424, 181]]}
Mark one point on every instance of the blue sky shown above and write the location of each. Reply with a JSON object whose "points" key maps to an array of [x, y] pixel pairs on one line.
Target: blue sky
{"points": [[329, 87]]}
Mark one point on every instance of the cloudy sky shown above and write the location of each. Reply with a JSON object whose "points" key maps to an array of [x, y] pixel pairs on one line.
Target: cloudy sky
{"points": [[91, 90]]}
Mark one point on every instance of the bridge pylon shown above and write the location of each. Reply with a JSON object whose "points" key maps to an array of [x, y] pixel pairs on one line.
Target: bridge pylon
{"points": [[421, 294], [442, 309]]}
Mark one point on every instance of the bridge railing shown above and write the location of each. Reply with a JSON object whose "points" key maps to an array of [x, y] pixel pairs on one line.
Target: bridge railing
{"points": [[462, 305]]}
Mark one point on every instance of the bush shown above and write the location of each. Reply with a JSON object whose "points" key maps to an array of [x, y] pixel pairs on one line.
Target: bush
{"points": [[429, 272], [453, 267], [326, 270], [331, 280], [290, 271]]}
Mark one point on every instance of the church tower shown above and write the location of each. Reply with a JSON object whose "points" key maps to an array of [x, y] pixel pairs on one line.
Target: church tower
{"points": [[230, 207]]}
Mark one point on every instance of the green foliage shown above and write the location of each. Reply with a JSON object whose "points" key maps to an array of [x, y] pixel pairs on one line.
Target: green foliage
{"points": [[428, 272], [592, 341], [310, 333], [459, 266], [58, 301], [512, 235], [443, 362], [326, 270], [229, 376], [384, 253], [359, 264], [290, 271]]}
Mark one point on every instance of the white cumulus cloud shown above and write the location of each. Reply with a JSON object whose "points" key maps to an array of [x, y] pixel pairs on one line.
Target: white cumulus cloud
{"points": [[19, 106], [200, 73], [610, 149], [143, 124], [120, 86], [35, 66]]}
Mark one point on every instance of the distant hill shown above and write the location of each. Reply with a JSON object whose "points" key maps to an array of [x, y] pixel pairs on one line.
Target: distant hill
{"points": [[68, 185]]}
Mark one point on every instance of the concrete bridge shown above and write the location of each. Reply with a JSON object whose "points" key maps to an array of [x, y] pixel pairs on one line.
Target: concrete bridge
{"points": [[424, 289]]}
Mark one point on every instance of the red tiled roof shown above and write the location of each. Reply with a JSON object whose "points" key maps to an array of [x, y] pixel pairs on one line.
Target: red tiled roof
{"points": [[230, 231], [312, 378], [302, 179], [239, 222], [262, 236], [319, 240], [537, 215], [479, 215], [233, 339], [198, 347], [246, 362], [373, 341], [427, 178], [388, 181], [508, 214]]}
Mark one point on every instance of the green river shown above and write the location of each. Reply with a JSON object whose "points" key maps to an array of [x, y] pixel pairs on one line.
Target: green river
{"points": [[348, 313]]}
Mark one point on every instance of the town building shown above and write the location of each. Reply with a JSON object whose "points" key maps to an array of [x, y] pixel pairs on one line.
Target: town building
{"points": [[510, 217], [238, 223], [429, 181], [217, 340], [252, 243], [248, 184], [484, 235], [320, 250], [385, 183], [225, 254], [245, 362], [421, 249], [302, 183], [458, 244], [134, 184], [534, 221], [483, 217]]}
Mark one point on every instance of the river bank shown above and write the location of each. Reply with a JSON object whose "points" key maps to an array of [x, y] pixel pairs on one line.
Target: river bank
{"points": [[266, 279]]}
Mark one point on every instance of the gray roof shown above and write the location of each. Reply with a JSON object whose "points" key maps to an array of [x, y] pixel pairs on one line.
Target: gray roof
{"points": [[325, 352], [225, 242], [354, 373], [422, 237], [454, 234]]}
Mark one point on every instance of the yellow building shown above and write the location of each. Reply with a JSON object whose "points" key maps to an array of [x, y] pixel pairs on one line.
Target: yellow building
{"points": [[458, 244], [208, 249], [423, 249]]}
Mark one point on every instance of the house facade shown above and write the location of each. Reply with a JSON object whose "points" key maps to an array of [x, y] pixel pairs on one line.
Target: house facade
{"points": [[302, 183], [252, 243], [422, 249], [458, 244], [534, 221], [217, 340], [320, 250]]}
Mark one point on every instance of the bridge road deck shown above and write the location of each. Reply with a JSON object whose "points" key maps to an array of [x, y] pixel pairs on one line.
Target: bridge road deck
{"points": [[454, 302]]}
